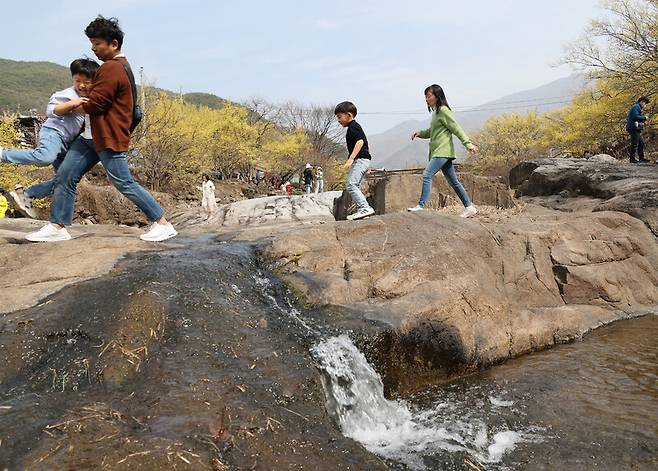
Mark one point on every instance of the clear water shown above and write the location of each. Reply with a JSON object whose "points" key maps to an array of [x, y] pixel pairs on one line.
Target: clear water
{"points": [[588, 405]]}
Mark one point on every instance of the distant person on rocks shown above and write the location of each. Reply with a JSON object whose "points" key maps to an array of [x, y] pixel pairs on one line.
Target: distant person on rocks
{"points": [[65, 119], [442, 150], [4, 204], [319, 180], [260, 176], [113, 112], [359, 158], [635, 123], [308, 179], [208, 201], [587, 155]]}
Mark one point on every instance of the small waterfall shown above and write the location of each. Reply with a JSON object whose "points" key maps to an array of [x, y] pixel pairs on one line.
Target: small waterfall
{"points": [[394, 429]]}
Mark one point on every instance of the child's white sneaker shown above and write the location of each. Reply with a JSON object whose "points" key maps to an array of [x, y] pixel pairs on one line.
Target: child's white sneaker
{"points": [[23, 204], [49, 233], [159, 232], [468, 212], [361, 213], [415, 208]]}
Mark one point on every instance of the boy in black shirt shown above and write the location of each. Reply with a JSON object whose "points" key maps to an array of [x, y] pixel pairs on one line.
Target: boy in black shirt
{"points": [[359, 160]]}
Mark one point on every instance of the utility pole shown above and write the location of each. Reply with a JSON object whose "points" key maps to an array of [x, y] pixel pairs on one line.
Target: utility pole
{"points": [[142, 97]]}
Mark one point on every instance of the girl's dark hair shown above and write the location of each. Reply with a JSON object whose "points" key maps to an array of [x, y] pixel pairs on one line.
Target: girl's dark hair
{"points": [[84, 66], [206, 176], [441, 99], [105, 28], [643, 99], [346, 107]]}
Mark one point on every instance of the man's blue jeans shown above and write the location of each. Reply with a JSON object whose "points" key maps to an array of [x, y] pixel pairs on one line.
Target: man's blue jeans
{"points": [[45, 189], [357, 171], [445, 165], [81, 157], [51, 146]]}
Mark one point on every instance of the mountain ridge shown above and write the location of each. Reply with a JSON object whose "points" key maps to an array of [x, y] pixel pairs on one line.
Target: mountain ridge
{"points": [[26, 86]]}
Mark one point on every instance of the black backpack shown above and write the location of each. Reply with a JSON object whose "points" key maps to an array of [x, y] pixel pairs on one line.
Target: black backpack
{"points": [[138, 114]]}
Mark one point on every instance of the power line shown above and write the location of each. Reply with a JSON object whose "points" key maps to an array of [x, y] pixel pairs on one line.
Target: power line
{"points": [[470, 110], [520, 106]]}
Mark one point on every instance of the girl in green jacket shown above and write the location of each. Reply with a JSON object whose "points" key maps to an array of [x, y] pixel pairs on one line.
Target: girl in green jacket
{"points": [[442, 150]]}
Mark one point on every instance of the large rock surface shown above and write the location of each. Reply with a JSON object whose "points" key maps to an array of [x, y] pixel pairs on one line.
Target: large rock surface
{"points": [[33, 271], [455, 294], [265, 211], [611, 186]]}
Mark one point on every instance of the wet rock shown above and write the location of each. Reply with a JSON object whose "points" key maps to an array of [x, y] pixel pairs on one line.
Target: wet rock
{"points": [[153, 366]]}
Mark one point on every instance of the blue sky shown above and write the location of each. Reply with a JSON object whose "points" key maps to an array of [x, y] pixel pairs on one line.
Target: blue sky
{"points": [[379, 54]]}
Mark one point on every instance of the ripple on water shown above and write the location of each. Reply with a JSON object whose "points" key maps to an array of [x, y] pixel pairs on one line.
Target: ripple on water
{"points": [[588, 405]]}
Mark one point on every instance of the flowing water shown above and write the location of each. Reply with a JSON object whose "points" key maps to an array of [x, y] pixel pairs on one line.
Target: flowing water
{"points": [[588, 405], [208, 335]]}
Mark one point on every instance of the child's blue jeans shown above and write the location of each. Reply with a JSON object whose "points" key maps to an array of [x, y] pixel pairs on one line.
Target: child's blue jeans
{"points": [[357, 171], [51, 146]]}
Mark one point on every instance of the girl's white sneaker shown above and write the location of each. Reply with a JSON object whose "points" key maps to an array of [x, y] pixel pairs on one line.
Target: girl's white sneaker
{"points": [[469, 212], [415, 208]]}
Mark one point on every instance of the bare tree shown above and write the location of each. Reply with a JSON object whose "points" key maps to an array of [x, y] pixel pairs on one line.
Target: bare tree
{"points": [[319, 122], [622, 46], [264, 116]]}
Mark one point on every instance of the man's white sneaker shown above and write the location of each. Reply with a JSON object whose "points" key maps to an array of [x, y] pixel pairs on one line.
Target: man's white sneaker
{"points": [[23, 204], [468, 212], [49, 233], [159, 232], [361, 213], [415, 208]]}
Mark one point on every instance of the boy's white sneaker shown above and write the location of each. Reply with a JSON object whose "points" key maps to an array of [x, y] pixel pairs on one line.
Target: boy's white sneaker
{"points": [[23, 204], [159, 232], [469, 211], [415, 208], [49, 233], [361, 213]]}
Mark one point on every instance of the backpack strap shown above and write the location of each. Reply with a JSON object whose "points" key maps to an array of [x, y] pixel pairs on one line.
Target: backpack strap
{"points": [[133, 85]]}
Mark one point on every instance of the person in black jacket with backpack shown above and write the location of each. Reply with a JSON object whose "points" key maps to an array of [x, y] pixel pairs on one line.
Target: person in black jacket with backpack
{"points": [[635, 123]]}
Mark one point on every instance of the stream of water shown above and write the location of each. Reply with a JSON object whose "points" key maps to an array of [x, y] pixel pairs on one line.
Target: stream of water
{"points": [[588, 405]]}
